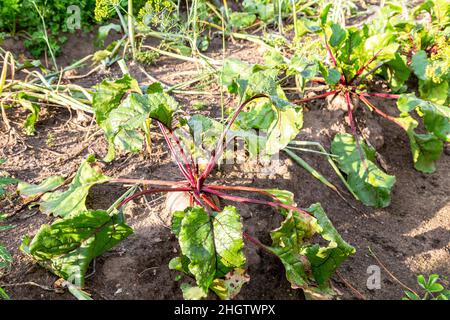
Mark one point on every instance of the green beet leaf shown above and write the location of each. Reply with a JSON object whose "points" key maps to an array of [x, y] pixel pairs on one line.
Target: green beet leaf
{"points": [[337, 35], [109, 94], [67, 246], [31, 190], [396, 72], [436, 118], [124, 119], [426, 148], [228, 288], [276, 117], [283, 196], [211, 244], [419, 64], [72, 201], [325, 260], [309, 265], [240, 20], [192, 292], [371, 185], [288, 241], [434, 92]]}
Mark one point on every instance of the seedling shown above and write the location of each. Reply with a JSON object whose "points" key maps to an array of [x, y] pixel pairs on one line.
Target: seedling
{"points": [[432, 289]]}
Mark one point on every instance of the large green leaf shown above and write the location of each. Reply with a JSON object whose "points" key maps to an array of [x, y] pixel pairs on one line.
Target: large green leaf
{"points": [[278, 121], [436, 118], [232, 71], [353, 47], [211, 243], [109, 94], [370, 184], [331, 76], [337, 34], [72, 201], [288, 242], [67, 246], [309, 265], [32, 190], [240, 20], [276, 117], [435, 92], [419, 64], [125, 119], [258, 117], [426, 148], [122, 123], [284, 129], [204, 136], [325, 260], [396, 72]]}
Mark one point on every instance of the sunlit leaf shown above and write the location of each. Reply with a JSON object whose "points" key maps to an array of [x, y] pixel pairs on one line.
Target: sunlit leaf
{"points": [[211, 244], [370, 184], [32, 190], [72, 201], [67, 246]]}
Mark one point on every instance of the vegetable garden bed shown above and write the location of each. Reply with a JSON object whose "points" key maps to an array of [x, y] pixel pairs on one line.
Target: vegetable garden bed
{"points": [[398, 219]]}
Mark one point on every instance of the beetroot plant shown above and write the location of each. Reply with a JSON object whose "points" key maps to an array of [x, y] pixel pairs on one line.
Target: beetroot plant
{"points": [[209, 230], [356, 54]]}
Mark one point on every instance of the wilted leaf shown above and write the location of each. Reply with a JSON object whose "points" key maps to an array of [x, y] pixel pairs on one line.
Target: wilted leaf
{"points": [[228, 288], [32, 117], [192, 292], [103, 32], [309, 265], [325, 260], [72, 201], [67, 246], [288, 241], [31, 190], [5, 258]]}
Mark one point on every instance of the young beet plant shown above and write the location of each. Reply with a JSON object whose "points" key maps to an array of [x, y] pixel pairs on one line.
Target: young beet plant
{"points": [[356, 54], [211, 237]]}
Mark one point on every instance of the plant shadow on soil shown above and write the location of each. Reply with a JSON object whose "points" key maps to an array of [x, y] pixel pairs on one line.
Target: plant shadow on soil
{"points": [[411, 236]]}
